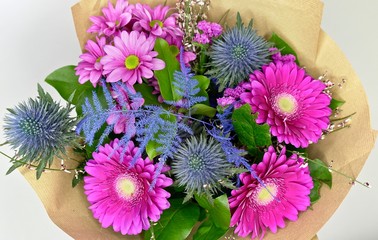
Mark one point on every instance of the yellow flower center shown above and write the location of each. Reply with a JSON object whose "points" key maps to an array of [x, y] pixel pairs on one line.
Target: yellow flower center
{"points": [[158, 22], [267, 195], [286, 103], [132, 62], [126, 187]]}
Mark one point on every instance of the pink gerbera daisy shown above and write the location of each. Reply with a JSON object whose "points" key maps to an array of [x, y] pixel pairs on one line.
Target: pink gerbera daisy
{"points": [[287, 188], [290, 101], [115, 19], [120, 195], [157, 22], [131, 58], [90, 67]]}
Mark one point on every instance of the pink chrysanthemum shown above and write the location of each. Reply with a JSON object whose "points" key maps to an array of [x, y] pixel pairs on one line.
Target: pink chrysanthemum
{"points": [[287, 188], [120, 196], [157, 23], [290, 101], [131, 58], [114, 21], [90, 67]]}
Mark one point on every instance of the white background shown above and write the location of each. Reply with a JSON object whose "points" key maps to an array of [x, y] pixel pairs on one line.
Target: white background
{"points": [[38, 36]]}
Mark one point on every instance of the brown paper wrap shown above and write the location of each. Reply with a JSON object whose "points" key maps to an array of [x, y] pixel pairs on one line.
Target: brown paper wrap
{"points": [[298, 22]]}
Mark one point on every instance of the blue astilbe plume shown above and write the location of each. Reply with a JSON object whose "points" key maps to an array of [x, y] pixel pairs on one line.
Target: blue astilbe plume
{"points": [[159, 125], [186, 86], [96, 116], [225, 119]]}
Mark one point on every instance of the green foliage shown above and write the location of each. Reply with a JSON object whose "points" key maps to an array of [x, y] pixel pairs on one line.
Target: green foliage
{"points": [[165, 76], [176, 222], [80, 174], [146, 91], [218, 218], [283, 46], [250, 134], [67, 84], [153, 145], [202, 109], [203, 84], [315, 192], [336, 103], [320, 174]]}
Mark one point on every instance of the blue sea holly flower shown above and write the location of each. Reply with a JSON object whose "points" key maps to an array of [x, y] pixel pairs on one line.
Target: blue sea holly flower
{"points": [[237, 53], [200, 166], [38, 130]]}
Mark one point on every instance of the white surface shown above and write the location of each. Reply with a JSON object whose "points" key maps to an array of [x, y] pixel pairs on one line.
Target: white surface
{"points": [[38, 36]]}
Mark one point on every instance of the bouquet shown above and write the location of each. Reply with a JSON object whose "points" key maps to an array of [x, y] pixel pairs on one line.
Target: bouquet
{"points": [[193, 120]]}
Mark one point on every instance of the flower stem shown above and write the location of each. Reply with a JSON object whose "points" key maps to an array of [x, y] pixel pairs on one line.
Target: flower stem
{"points": [[343, 118], [353, 180], [12, 160]]}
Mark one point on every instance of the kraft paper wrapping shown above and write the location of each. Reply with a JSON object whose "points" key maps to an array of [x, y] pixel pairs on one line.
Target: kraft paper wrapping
{"points": [[298, 22]]}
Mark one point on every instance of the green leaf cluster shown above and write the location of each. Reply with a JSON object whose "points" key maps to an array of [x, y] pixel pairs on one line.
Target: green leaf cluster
{"points": [[320, 174], [67, 84], [217, 220], [176, 222], [250, 134]]}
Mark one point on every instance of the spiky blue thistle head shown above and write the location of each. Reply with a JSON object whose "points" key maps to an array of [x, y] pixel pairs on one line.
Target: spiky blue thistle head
{"points": [[38, 130], [237, 53], [200, 165]]}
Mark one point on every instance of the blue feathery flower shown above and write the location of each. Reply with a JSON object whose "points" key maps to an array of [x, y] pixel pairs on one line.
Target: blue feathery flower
{"points": [[38, 129], [186, 86], [201, 166], [237, 53]]}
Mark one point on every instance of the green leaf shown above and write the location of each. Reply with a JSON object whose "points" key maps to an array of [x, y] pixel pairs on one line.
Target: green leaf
{"points": [[146, 91], [76, 181], [41, 166], [79, 177], [207, 230], [319, 171], [218, 220], [15, 165], [152, 145], [249, 133], [219, 210], [176, 222], [336, 103], [315, 192], [165, 76], [67, 84], [203, 84], [283, 46], [202, 109], [151, 149]]}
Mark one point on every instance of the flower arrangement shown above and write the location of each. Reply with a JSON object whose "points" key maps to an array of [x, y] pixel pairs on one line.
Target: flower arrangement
{"points": [[183, 120]]}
